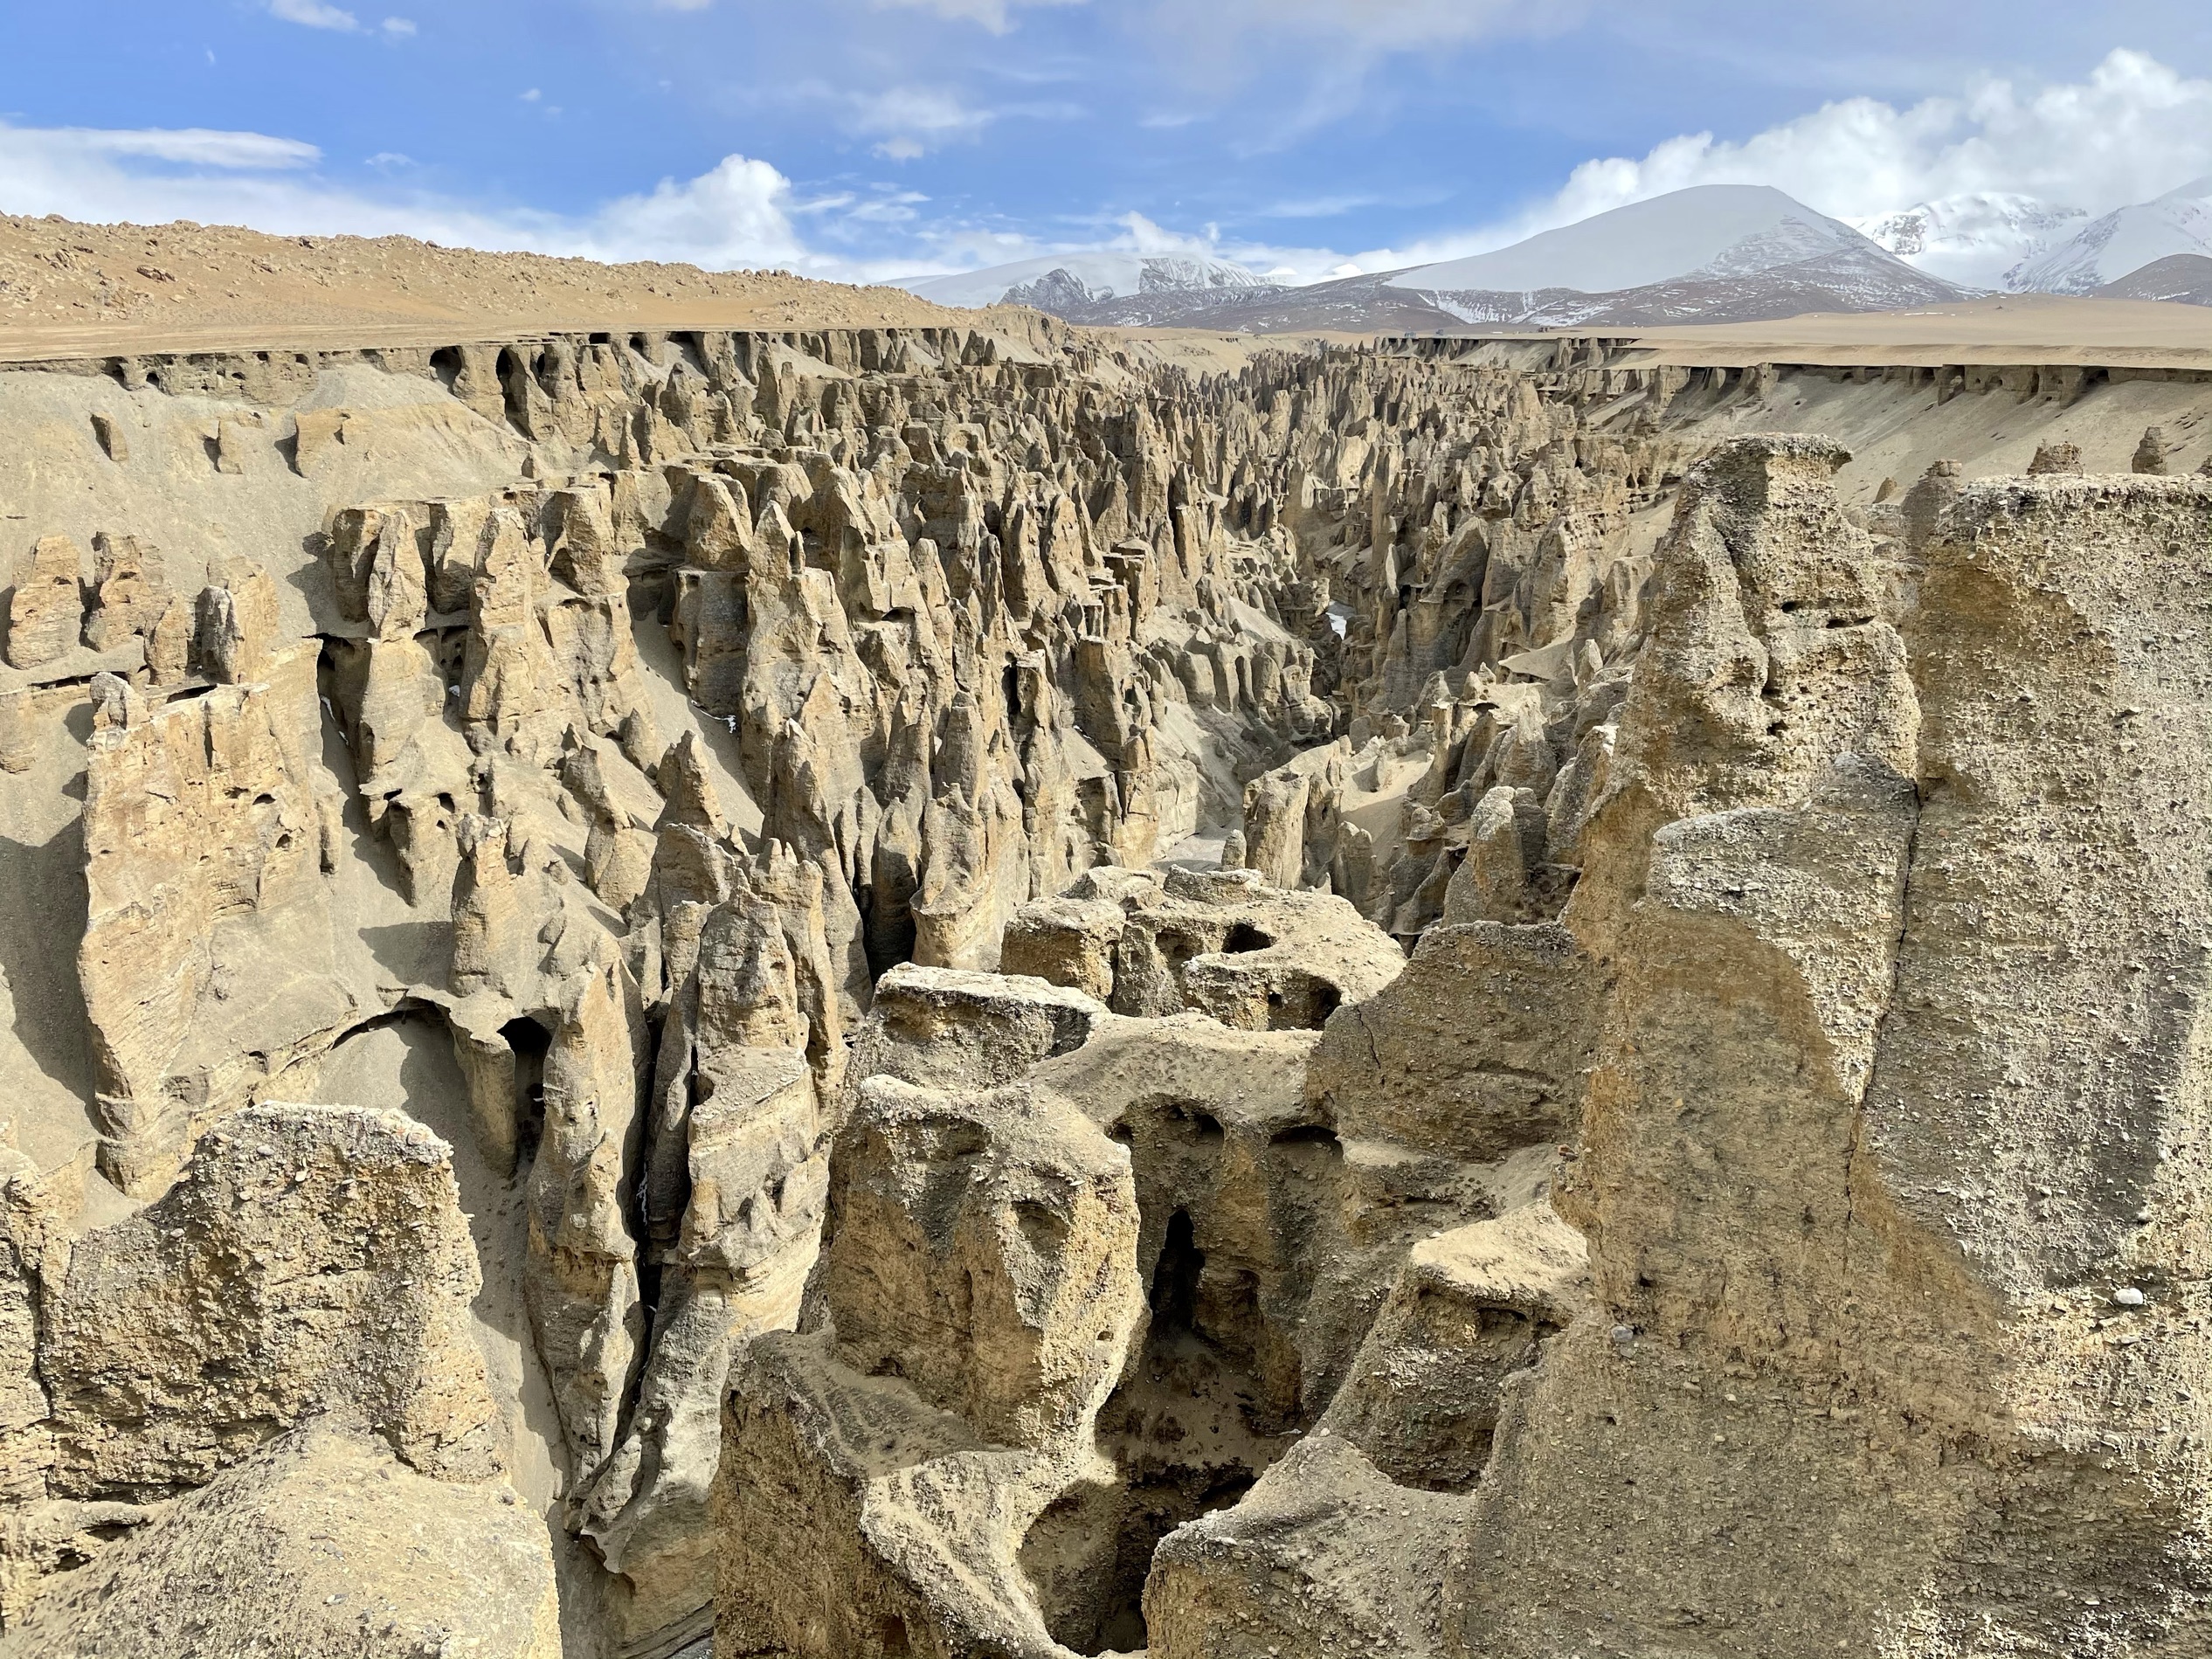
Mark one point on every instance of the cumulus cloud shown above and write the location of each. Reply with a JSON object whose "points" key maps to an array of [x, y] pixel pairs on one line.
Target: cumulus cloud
{"points": [[2130, 129], [2133, 129], [738, 214]]}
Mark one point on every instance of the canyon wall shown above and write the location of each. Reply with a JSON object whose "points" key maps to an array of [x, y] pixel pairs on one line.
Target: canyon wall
{"points": [[938, 992]]}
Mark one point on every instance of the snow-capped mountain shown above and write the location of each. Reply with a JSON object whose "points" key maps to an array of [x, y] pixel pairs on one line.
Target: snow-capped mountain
{"points": [[1983, 239], [1738, 253], [1715, 230], [1062, 282], [2109, 248], [1717, 252]]}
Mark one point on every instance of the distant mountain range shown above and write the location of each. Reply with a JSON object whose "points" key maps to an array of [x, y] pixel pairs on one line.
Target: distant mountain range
{"points": [[1062, 282], [1717, 253], [1713, 253]]}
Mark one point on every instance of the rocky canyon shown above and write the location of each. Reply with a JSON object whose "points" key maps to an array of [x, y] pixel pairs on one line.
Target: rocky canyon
{"points": [[977, 989]]}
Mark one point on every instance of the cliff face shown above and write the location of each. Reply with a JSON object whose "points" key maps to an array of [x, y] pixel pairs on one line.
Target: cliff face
{"points": [[922, 991]]}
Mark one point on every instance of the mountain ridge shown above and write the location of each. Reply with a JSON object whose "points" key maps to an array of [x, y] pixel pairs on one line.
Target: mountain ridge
{"points": [[2126, 240], [1082, 279], [1709, 254]]}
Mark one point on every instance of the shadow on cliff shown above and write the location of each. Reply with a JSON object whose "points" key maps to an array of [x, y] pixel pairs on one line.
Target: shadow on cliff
{"points": [[42, 918]]}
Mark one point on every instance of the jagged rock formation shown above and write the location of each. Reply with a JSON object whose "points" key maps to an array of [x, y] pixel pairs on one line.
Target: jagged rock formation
{"points": [[1052, 1006], [1818, 1270], [784, 662], [208, 959], [1344, 1544], [983, 1254]]}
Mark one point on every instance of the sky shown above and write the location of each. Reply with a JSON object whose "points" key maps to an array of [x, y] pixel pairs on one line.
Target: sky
{"points": [[865, 140]]}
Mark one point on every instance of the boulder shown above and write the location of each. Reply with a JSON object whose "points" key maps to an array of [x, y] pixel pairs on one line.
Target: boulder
{"points": [[46, 606], [318, 1544], [308, 1259]]}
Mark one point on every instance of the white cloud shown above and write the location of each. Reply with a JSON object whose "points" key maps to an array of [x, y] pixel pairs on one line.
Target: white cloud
{"points": [[313, 14], [1318, 207], [994, 15], [737, 214], [968, 248], [1324, 51], [319, 14], [1321, 60], [151, 175], [183, 146], [2132, 130], [1141, 235], [906, 121], [1384, 25], [912, 121]]}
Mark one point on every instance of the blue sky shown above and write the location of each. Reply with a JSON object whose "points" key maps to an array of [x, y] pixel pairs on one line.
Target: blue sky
{"points": [[872, 138]]}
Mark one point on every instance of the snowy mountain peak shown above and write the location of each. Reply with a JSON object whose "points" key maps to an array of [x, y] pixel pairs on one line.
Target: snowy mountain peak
{"points": [[1057, 281], [1980, 239], [1711, 230], [2126, 241]]}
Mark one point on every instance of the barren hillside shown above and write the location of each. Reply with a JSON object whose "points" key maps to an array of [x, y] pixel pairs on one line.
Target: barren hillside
{"points": [[68, 286]]}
